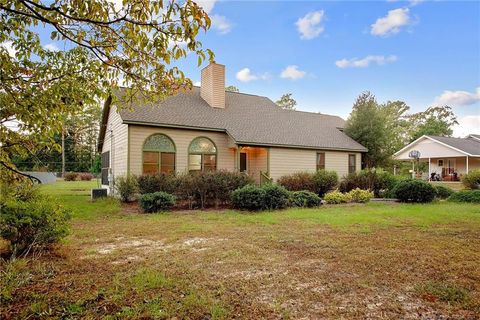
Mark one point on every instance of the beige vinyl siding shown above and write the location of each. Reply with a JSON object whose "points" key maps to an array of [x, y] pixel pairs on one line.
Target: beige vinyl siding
{"points": [[181, 138], [285, 161], [338, 161], [119, 139]]}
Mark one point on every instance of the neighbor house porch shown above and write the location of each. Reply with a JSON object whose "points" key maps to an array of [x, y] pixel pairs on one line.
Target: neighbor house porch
{"points": [[446, 169], [449, 168]]}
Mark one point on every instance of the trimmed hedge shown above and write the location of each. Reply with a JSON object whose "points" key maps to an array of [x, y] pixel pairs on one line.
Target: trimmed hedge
{"points": [[360, 196], [276, 197], [415, 191], [70, 176], [200, 189], [337, 197], [157, 201], [148, 183], [250, 198], [378, 181], [471, 180], [443, 192], [319, 182], [472, 196], [304, 199]]}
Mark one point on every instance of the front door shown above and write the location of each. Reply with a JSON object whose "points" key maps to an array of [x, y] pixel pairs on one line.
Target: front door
{"points": [[243, 162]]}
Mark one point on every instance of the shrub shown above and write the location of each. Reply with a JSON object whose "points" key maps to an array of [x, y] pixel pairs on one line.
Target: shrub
{"points": [[325, 181], [360, 196], [304, 198], [186, 188], [210, 188], [32, 222], [157, 201], [298, 181], [336, 197], [443, 192], [223, 183], [378, 181], [126, 187], [85, 176], [250, 198], [414, 191], [319, 182], [70, 176], [471, 180], [472, 196], [148, 183], [276, 197]]}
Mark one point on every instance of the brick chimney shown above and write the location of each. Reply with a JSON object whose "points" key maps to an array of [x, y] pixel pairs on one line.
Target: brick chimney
{"points": [[212, 89]]}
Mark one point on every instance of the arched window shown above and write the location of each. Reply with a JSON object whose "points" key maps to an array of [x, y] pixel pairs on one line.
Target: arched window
{"points": [[158, 155], [202, 155]]}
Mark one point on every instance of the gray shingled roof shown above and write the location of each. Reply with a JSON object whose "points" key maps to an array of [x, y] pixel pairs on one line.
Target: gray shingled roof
{"points": [[248, 119], [468, 145]]}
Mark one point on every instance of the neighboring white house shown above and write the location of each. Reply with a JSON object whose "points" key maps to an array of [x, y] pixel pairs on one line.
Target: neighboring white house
{"points": [[448, 157]]}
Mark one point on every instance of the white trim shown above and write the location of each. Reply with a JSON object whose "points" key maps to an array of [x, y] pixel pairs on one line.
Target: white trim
{"points": [[434, 140], [473, 137]]}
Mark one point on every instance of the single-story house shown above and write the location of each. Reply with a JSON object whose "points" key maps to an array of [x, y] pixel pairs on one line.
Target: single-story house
{"points": [[207, 128], [448, 158]]}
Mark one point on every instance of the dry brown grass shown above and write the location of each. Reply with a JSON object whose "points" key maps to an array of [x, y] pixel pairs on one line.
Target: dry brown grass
{"points": [[289, 264]]}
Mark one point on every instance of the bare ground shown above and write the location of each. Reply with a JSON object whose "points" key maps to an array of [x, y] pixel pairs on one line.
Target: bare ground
{"points": [[211, 265]]}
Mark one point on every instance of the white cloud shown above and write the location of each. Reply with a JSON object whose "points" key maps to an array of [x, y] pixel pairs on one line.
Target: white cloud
{"points": [[391, 23], [207, 5], [365, 62], [8, 45], [291, 72], [197, 83], [415, 2], [246, 75], [467, 125], [221, 24], [310, 26], [411, 3], [51, 47], [457, 98]]}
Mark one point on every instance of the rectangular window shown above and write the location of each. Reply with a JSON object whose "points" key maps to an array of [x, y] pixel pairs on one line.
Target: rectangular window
{"points": [[195, 162], [150, 162], [105, 167], [320, 161], [167, 162], [440, 163], [243, 162], [352, 160], [209, 162]]}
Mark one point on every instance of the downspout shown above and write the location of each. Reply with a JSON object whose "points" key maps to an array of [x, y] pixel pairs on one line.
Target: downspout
{"points": [[111, 173]]}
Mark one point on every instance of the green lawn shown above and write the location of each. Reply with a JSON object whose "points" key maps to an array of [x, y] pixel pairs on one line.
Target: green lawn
{"points": [[346, 261]]}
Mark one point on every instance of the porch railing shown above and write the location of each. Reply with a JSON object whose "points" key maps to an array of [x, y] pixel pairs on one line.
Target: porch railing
{"points": [[265, 178]]}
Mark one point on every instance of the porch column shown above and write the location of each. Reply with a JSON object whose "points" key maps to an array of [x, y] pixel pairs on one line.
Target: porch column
{"points": [[429, 170], [237, 158], [466, 164]]}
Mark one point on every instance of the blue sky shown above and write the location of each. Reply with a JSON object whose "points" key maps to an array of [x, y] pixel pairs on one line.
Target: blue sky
{"points": [[421, 52], [327, 52]]}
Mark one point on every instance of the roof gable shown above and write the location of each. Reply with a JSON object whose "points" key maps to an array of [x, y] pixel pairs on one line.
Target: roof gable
{"points": [[435, 146]]}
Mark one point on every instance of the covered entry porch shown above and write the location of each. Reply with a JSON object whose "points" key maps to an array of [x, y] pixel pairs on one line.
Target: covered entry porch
{"points": [[253, 161], [449, 168]]}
